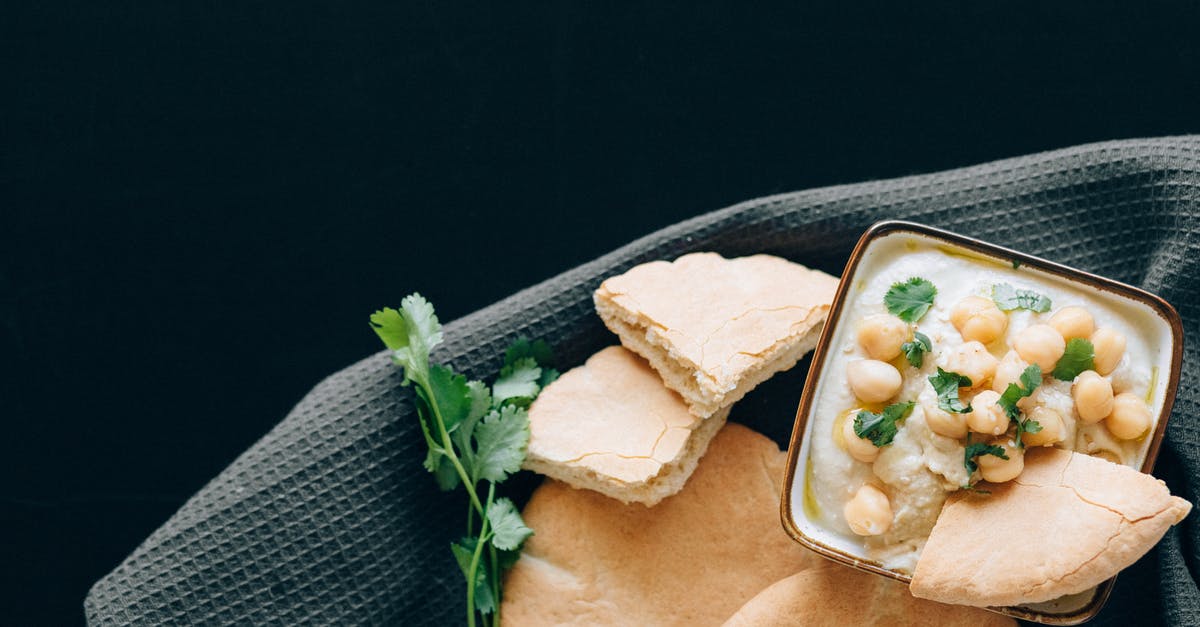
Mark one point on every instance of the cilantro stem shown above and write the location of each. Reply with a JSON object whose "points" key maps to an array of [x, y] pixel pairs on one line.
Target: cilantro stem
{"points": [[449, 450], [494, 563], [471, 578], [495, 585]]}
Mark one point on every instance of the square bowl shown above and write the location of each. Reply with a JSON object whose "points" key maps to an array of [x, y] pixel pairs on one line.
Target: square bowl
{"points": [[879, 260]]}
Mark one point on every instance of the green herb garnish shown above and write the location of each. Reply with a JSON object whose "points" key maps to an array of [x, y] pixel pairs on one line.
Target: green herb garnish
{"points": [[1031, 378], [946, 385], [1008, 298], [475, 435], [1079, 356], [975, 449], [909, 300], [915, 350], [881, 428]]}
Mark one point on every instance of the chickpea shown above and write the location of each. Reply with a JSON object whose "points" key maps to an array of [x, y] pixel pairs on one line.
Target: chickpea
{"points": [[861, 449], [985, 415], [972, 360], [1040, 344], [1008, 371], [1110, 347], [882, 335], [997, 470], [1073, 322], [873, 381], [945, 423], [869, 513], [1053, 427], [978, 319], [1093, 396], [1130, 417]]}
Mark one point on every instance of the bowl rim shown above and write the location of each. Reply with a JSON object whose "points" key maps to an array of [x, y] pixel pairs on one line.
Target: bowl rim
{"points": [[889, 227]]}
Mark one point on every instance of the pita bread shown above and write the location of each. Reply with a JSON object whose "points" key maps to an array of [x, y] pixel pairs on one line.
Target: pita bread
{"points": [[835, 596], [692, 560], [613, 427], [715, 328], [1068, 523]]}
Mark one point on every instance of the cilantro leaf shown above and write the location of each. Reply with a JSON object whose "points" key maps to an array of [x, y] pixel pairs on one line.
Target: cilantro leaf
{"points": [[975, 449], [390, 327], [880, 428], [464, 554], [508, 529], [518, 383], [1079, 356], [539, 351], [500, 443], [451, 395], [1031, 378], [909, 300], [549, 375], [424, 330], [481, 403], [1027, 425], [446, 475], [522, 348], [1008, 298], [507, 559], [436, 459], [946, 385], [410, 333], [438, 463], [915, 350]]}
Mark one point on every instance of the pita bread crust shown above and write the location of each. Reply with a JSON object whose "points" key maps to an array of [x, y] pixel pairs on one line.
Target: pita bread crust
{"points": [[715, 328], [832, 595], [611, 426], [692, 560], [1068, 523]]}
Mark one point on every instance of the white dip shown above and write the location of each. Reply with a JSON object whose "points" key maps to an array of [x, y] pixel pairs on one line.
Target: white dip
{"points": [[920, 468]]}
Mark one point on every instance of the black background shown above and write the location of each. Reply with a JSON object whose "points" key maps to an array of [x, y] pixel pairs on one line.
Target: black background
{"points": [[202, 202]]}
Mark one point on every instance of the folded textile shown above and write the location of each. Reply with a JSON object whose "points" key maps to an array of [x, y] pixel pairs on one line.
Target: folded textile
{"points": [[330, 518]]}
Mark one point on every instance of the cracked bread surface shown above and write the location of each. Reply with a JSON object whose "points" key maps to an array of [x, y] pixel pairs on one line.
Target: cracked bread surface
{"points": [[612, 426], [1067, 523], [694, 559], [714, 328]]}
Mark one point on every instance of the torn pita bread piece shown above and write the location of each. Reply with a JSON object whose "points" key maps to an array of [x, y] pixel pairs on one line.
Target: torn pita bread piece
{"points": [[715, 328], [693, 560], [833, 595], [1066, 524], [613, 427]]}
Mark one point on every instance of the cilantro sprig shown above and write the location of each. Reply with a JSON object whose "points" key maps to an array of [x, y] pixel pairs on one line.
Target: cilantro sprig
{"points": [[476, 436], [946, 384], [880, 428], [1079, 356], [1031, 378], [910, 300], [915, 350], [1008, 298]]}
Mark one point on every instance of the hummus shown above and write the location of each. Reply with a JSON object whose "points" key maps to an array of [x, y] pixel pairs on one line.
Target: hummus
{"points": [[923, 463]]}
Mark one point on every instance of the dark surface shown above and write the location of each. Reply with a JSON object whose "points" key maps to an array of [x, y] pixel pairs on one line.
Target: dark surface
{"points": [[330, 519], [200, 203]]}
